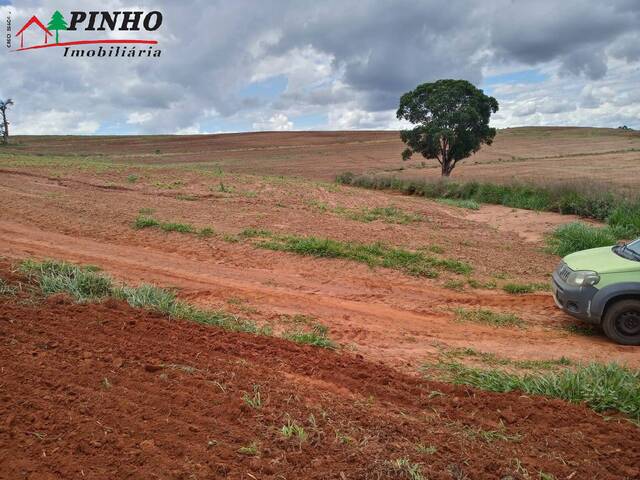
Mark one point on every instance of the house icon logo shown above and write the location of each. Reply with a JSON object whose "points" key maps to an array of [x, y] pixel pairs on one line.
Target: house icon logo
{"points": [[33, 21], [94, 21]]}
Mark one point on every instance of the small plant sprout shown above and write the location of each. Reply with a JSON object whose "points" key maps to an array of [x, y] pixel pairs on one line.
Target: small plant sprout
{"points": [[251, 450], [293, 430], [255, 400]]}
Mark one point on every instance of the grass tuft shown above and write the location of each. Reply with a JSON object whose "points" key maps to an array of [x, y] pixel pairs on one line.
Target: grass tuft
{"points": [[460, 203], [317, 336], [177, 227], [520, 288], [251, 450], [85, 284], [488, 317], [145, 222], [6, 289], [255, 400], [407, 469], [373, 254], [293, 430], [603, 387], [577, 236]]}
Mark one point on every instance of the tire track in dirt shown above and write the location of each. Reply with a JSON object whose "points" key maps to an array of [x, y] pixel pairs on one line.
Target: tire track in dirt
{"points": [[395, 319]]}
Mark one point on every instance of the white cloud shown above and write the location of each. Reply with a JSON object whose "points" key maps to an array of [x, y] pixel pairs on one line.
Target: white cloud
{"points": [[348, 62], [277, 122], [136, 118], [54, 122]]}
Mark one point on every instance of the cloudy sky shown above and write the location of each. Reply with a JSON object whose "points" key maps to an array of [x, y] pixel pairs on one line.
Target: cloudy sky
{"points": [[301, 65]]}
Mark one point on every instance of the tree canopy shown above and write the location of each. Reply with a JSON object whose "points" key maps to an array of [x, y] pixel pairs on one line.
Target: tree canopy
{"points": [[451, 118]]}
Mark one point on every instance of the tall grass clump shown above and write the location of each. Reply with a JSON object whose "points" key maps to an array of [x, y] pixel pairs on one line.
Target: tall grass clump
{"points": [[577, 236], [603, 387], [86, 284], [622, 214]]}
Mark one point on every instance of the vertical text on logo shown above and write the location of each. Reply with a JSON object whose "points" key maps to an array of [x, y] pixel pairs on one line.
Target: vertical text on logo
{"points": [[8, 29]]}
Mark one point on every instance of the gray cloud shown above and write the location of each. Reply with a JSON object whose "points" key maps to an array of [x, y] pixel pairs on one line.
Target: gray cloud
{"points": [[345, 61]]}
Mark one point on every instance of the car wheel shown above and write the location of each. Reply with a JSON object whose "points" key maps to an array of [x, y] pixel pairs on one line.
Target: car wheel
{"points": [[621, 323]]}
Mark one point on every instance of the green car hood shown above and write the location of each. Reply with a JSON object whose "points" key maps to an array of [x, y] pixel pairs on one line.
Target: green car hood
{"points": [[601, 260]]}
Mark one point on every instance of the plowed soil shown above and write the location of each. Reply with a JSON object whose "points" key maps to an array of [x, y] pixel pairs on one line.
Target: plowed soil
{"points": [[103, 391], [382, 313]]}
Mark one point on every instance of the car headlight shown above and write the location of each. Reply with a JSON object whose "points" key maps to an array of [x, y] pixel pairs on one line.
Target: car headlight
{"points": [[583, 278]]}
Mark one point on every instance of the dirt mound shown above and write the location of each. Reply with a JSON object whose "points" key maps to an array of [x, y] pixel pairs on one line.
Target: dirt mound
{"points": [[103, 391]]}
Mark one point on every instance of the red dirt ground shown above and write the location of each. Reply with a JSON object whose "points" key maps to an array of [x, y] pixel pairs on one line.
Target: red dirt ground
{"points": [[381, 313], [103, 391]]}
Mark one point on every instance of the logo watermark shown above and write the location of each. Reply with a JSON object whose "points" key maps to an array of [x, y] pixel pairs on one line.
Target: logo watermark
{"points": [[56, 33]]}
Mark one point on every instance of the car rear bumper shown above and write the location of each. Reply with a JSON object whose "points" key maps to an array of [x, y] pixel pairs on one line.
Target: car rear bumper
{"points": [[576, 301]]}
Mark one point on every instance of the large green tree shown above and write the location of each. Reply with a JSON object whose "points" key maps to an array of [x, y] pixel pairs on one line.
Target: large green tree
{"points": [[451, 118], [57, 23]]}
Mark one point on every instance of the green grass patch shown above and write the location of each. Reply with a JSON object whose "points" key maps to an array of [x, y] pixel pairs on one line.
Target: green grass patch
{"points": [[621, 213], [456, 285], [145, 221], [488, 285], [85, 284], [493, 360], [581, 329], [373, 254], [488, 317], [460, 203], [604, 387], [577, 236], [316, 336], [521, 288], [390, 214], [177, 227]]}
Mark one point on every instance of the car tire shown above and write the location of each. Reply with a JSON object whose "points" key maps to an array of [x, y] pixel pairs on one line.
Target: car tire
{"points": [[621, 322]]}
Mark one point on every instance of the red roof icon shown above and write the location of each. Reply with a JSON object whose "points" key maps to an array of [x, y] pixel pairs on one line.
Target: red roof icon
{"points": [[31, 21]]}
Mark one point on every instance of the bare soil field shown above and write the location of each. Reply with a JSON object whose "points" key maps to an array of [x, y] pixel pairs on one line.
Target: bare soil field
{"points": [[219, 203], [105, 391], [534, 154]]}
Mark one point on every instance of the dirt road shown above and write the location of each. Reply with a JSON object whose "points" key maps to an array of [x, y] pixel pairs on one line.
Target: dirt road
{"points": [[383, 314]]}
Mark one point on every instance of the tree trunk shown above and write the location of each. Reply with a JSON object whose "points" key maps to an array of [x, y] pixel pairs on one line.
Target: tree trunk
{"points": [[447, 167], [5, 128]]}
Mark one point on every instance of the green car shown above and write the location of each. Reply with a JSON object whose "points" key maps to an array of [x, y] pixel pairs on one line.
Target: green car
{"points": [[602, 286]]}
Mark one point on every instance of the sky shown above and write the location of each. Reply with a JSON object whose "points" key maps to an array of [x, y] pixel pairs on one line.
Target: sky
{"points": [[229, 66]]}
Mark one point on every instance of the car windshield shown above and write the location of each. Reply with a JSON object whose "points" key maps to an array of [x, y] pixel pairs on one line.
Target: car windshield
{"points": [[634, 246], [630, 251]]}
